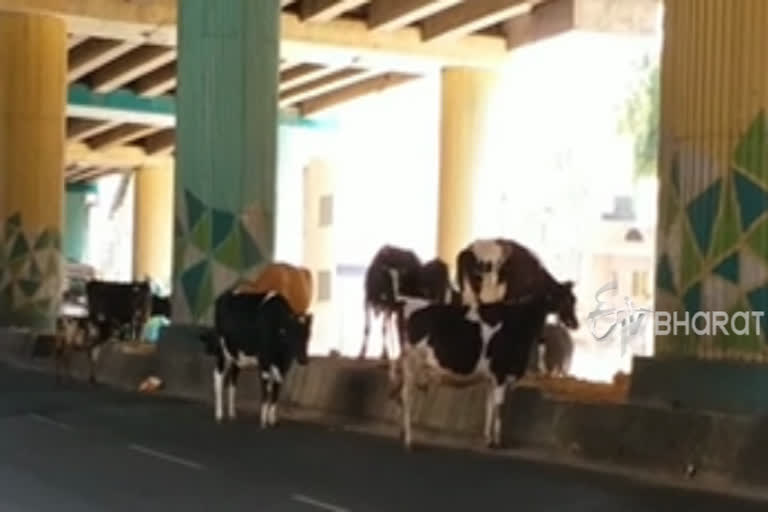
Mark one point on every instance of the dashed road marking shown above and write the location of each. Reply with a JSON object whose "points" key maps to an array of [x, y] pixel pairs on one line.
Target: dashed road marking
{"points": [[166, 457], [49, 421], [317, 503]]}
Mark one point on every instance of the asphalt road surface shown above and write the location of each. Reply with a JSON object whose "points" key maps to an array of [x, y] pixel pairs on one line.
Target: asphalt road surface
{"points": [[75, 448]]}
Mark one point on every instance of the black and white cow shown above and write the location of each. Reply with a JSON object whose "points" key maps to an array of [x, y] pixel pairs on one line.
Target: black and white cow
{"points": [[429, 281], [462, 345], [255, 330], [492, 270]]}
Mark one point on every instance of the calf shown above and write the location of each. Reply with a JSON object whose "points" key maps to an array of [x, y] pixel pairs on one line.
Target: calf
{"points": [[461, 345], [77, 334], [255, 330]]}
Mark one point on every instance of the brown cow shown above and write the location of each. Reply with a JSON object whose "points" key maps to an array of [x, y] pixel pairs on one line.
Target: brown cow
{"points": [[292, 282]]}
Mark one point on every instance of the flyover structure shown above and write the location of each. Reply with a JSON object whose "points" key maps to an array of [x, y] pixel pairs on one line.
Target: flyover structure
{"points": [[90, 87]]}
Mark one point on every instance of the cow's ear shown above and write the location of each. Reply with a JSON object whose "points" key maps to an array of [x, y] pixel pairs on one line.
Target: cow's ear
{"points": [[568, 284]]}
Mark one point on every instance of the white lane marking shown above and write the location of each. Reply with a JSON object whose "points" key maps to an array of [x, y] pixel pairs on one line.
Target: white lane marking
{"points": [[317, 503], [48, 421], [166, 457]]}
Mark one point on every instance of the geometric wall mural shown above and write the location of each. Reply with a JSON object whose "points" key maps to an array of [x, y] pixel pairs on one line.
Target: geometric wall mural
{"points": [[213, 249], [30, 274], [713, 243]]}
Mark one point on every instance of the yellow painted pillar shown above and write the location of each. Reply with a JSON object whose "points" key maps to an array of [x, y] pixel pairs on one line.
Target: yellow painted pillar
{"points": [[33, 71], [153, 222], [466, 98], [712, 245]]}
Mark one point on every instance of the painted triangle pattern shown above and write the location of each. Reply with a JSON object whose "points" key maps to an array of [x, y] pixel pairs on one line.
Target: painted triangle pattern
{"points": [[31, 262], [712, 252], [213, 248]]}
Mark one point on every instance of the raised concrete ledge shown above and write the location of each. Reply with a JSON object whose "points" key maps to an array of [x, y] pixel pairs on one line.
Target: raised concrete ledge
{"points": [[731, 387], [726, 449]]}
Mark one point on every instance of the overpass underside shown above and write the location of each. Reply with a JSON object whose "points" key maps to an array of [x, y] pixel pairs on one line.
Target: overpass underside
{"points": [[114, 86]]}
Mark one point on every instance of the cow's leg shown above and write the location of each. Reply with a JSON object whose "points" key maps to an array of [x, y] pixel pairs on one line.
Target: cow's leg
{"points": [[232, 376], [219, 374], [406, 397], [277, 380], [266, 393], [385, 331], [496, 395], [93, 357], [366, 332]]}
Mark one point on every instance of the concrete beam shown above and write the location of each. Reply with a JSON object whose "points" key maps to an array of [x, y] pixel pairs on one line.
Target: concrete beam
{"points": [[337, 80], [601, 16], [470, 17], [81, 155], [94, 53], [302, 74], [354, 91], [74, 40], [121, 135], [81, 129], [120, 107], [129, 67], [161, 142], [323, 11], [340, 41], [157, 82], [396, 14]]}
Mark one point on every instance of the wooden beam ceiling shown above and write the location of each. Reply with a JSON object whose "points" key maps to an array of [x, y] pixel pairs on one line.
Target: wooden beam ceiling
{"points": [[121, 135], [397, 14], [335, 80], [469, 17], [302, 74], [350, 92], [81, 129], [317, 11], [158, 82], [161, 142], [94, 53], [131, 66], [543, 21]]}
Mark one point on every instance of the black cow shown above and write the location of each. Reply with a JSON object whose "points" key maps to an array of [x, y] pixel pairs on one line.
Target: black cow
{"points": [[117, 307], [255, 330], [498, 269], [429, 281], [461, 345]]}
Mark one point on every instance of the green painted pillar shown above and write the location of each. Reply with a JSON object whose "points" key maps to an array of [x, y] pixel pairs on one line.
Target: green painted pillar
{"points": [[227, 122]]}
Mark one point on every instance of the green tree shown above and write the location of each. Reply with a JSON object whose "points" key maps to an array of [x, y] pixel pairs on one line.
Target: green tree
{"points": [[640, 118]]}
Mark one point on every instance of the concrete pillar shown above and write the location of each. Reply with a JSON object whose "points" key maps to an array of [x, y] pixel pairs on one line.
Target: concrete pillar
{"points": [[712, 249], [153, 223], [33, 63], [226, 148], [466, 97], [320, 255]]}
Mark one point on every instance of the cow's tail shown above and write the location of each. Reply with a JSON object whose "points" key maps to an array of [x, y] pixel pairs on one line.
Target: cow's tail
{"points": [[210, 339]]}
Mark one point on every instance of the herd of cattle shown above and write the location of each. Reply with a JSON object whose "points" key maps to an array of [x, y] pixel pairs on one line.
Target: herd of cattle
{"points": [[484, 329]]}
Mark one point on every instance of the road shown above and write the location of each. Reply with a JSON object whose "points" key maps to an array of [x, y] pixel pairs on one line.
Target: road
{"points": [[75, 448]]}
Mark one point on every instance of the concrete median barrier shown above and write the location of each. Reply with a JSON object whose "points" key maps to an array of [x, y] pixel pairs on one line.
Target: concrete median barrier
{"points": [[344, 392]]}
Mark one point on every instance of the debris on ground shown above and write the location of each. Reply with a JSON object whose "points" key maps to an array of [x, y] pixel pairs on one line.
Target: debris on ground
{"points": [[150, 384]]}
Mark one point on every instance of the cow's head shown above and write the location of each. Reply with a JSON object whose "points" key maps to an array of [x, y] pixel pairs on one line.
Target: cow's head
{"points": [[299, 336], [564, 303]]}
